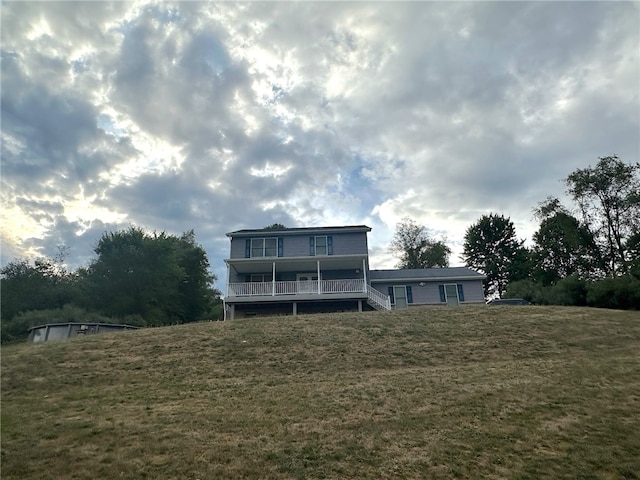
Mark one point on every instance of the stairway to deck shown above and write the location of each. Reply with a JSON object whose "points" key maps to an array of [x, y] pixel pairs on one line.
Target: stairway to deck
{"points": [[378, 300]]}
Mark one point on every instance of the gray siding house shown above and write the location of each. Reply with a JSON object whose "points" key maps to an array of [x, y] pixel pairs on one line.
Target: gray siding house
{"points": [[323, 269], [429, 286]]}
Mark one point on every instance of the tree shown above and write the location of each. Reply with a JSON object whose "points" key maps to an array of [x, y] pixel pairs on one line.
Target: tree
{"points": [[633, 250], [491, 247], [416, 248], [163, 278], [41, 285], [608, 196], [196, 290], [562, 245], [275, 226]]}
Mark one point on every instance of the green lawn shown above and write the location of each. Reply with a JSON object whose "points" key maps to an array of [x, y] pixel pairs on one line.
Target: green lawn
{"points": [[471, 392]]}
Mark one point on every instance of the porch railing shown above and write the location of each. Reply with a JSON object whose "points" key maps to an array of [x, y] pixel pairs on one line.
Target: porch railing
{"points": [[378, 300], [248, 289]]}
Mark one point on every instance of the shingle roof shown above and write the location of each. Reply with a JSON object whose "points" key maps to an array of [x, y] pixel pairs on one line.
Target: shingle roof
{"points": [[294, 230], [426, 274]]}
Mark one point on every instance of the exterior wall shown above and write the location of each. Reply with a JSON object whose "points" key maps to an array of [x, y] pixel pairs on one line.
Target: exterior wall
{"points": [[473, 291], [349, 243], [430, 293]]}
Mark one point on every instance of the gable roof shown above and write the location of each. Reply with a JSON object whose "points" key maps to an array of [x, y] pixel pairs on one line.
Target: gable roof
{"points": [[426, 274], [297, 230]]}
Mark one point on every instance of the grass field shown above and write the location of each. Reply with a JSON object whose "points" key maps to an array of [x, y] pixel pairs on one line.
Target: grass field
{"points": [[471, 392]]}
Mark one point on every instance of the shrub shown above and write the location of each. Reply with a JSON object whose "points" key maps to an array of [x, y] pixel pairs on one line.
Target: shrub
{"points": [[620, 292], [527, 289], [568, 291]]}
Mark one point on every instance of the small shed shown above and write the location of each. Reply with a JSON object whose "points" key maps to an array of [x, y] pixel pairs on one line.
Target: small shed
{"points": [[62, 331]]}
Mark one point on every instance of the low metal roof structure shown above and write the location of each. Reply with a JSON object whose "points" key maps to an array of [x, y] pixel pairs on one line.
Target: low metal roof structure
{"points": [[62, 331]]}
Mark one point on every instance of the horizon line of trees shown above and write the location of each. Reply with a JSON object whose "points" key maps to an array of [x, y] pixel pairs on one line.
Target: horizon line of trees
{"points": [[137, 278], [586, 256]]}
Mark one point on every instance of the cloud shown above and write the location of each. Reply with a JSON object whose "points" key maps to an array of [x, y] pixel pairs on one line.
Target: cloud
{"points": [[219, 116]]}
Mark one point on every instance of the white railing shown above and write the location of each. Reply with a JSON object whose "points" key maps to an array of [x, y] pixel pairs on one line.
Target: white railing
{"points": [[378, 300], [248, 289]]}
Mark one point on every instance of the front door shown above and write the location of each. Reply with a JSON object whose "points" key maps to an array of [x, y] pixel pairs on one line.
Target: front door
{"points": [[307, 282], [452, 295], [400, 296]]}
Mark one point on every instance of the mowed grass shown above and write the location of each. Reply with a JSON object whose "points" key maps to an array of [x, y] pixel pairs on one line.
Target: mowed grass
{"points": [[471, 392]]}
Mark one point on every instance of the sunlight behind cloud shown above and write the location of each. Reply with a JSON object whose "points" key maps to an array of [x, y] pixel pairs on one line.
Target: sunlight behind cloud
{"points": [[39, 29], [273, 171], [19, 226], [83, 211]]}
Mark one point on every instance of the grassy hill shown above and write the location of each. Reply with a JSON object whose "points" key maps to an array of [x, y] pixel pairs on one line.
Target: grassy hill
{"points": [[477, 392]]}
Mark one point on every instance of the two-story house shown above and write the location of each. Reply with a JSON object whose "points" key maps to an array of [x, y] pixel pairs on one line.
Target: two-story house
{"points": [[322, 269]]}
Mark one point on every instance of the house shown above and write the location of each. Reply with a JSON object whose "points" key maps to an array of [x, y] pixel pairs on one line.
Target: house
{"points": [[322, 269], [450, 286]]}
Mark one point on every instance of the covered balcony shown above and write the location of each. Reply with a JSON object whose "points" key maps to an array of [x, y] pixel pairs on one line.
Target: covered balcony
{"points": [[296, 278], [297, 287]]}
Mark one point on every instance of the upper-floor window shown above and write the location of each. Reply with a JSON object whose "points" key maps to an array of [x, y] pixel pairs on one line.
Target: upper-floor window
{"points": [[321, 245], [263, 247]]}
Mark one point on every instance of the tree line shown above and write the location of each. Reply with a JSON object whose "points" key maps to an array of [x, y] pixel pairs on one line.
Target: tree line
{"points": [[588, 255], [585, 255], [137, 278]]}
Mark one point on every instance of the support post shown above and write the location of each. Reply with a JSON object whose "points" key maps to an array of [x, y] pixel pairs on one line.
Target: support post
{"points": [[360, 305], [295, 308], [273, 280], [364, 274], [318, 262]]}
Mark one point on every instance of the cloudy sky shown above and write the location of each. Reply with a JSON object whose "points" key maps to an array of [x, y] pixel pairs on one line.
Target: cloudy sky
{"points": [[222, 116]]}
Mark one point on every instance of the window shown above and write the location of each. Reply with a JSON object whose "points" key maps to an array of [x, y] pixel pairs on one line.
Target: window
{"points": [[451, 291], [270, 247], [257, 247], [321, 245], [261, 277], [263, 247]]}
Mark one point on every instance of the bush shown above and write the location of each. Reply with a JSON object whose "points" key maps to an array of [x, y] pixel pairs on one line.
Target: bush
{"points": [[568, 291], [217, 312], [527, 289], [620, 293]]}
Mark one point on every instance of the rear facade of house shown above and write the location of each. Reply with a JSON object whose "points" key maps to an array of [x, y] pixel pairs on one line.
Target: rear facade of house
{"points": [[326, 269]]}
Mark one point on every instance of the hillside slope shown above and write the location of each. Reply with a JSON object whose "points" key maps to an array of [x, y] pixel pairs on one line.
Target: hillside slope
{"points": [[477, 392]]}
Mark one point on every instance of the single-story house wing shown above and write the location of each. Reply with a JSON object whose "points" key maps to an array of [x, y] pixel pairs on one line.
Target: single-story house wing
{"points": [[429, 286]]}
